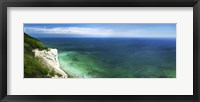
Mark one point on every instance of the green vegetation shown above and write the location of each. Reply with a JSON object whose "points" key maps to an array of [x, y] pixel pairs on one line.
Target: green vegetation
{"points": [[31, 43], [33, 68]]}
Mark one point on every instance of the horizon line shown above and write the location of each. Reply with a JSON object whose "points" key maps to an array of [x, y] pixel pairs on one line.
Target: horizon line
{"points": [[105, 37]]}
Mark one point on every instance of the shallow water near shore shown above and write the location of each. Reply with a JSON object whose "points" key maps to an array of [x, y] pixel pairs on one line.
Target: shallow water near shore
{"points": [[116, 57]]}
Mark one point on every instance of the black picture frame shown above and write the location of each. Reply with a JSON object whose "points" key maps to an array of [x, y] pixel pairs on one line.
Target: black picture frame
{"points": [[99, 3]]}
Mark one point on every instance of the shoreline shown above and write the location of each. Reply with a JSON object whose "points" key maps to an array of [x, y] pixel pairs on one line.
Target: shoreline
{"points": [[66, 67], [70, 74]]}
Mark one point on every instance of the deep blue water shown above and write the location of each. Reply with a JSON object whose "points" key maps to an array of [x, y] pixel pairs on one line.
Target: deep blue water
{"points": [[116, 57]]}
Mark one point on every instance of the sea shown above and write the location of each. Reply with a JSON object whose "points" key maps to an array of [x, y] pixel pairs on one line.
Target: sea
{"points": [[116, 57]]}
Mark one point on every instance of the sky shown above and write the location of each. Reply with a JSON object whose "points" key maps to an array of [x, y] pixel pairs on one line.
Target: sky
{"points": [[101, 30]]}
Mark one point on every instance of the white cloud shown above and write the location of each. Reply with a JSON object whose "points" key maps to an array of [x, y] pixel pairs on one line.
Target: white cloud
{"points": [[100, 31], [70, 30]]}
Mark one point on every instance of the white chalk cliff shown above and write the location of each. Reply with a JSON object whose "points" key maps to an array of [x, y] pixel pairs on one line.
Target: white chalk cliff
{"points": [[50, 58]]}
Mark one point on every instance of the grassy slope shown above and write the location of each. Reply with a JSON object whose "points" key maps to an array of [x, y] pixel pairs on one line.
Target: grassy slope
{"points": [[33, 68]]}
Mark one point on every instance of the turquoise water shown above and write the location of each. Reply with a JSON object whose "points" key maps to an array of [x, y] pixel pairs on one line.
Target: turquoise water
{"points": [[116, 57]]}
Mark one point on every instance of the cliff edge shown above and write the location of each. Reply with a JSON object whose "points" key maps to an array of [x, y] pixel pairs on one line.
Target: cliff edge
{"points": [[50, 59], [40, 61]]}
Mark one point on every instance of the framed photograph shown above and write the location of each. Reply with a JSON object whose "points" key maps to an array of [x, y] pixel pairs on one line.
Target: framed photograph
{"points": [[99, 50]]}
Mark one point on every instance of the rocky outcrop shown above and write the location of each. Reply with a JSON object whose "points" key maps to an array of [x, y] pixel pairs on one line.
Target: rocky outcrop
{"points": [[50, 58]]}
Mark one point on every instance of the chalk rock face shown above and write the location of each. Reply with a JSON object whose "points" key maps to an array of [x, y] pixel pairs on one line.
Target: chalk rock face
{"points": [[50, 58]]}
